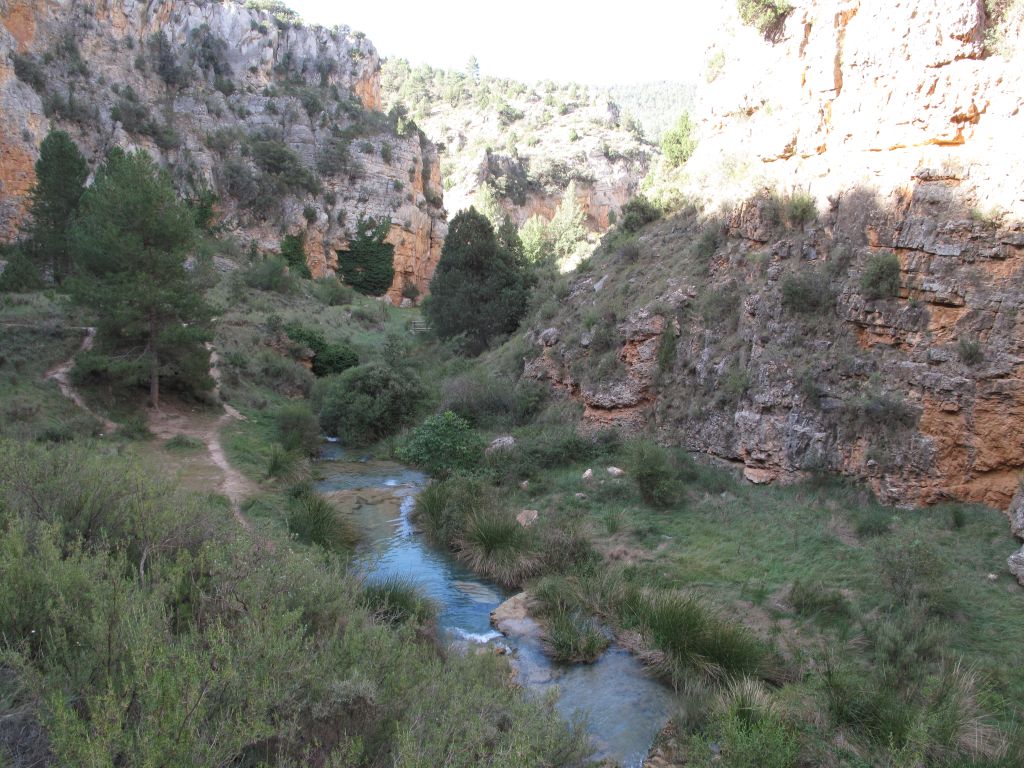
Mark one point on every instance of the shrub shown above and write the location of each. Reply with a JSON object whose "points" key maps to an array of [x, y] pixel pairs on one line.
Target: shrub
{"points": [[678, 143], [368, 265], [367, 403], [637, 213], [761, 742], [396, 600], [281, 463], [652, 469], [28, 70], [881, 276], [801, 209], [20, 274], [293, 251], [808, 291], [970, 352], [443, 444], [667, 350], [480, 399], [766, 15], [710, 240], [872, 520], [331, 292], [297, 429], [327, 358], [270, 274], [312, 519], [912, 569]]}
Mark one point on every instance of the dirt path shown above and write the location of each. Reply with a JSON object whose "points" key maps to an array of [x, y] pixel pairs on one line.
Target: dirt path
{"points": [[61, 374], [173, 420]]}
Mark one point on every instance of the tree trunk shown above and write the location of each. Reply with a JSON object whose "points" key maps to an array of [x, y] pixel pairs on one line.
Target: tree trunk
{"points": [[154, 365]]}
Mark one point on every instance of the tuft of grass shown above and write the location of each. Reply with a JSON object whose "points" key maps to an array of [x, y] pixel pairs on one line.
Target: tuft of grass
{"points": [[872, 520], [495, 545], [312, 519], [397, 600], [815, 599], [571, 638], [970, 352], [184, 444], [281, 463], [692, 638], [652, 468]]}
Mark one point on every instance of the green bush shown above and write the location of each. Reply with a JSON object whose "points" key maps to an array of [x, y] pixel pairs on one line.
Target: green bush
{"points": [[801, 209], [368, 265], [808, 291], [293, 251], [270, 274], [297, 429], [678, 143], [766, 15], [331, 292], [970, 352], [637, 213], [367, 403], [881, 276], [653, 470], [20, 274], [443, 444], [29, 71], [492, 401], [328, 358], [312, 519]]}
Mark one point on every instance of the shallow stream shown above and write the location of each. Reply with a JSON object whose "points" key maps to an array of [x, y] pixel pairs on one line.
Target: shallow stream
{"points": [[623, 707]]}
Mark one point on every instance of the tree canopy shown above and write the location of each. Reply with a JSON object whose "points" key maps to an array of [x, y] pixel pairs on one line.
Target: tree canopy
{"points": [[130, 243], [61, 172], [369, 264], [480, 287]]}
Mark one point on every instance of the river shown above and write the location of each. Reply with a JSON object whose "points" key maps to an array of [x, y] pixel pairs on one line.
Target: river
{"points": [[622, 706]]}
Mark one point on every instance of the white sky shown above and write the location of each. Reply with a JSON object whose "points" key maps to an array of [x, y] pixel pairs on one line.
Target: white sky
{"points": [[600, 43]]}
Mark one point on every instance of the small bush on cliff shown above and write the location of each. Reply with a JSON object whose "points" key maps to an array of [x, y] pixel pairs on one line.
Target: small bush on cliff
{"points": [[443, 444], [766, 15], [369, 264], [367, 403], [678, 143], [270, 274], [637, 213], [970, 352], [293, 250], [808, 291], [881, 276]]}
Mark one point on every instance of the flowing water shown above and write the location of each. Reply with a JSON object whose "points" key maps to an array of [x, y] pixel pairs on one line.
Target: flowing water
{"points": [[623, 707]]}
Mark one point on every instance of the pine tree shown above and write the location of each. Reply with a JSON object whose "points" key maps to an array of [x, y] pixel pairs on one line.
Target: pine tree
{"points": [[480, 287], [61, 172], [130, 243], [369, 264]]}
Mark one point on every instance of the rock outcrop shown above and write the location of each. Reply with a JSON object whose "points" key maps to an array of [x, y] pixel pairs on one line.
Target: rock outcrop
{"points": [[198, 85], [753, 333], [527, 142]]}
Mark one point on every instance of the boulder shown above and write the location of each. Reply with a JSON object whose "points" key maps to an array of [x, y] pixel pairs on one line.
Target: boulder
{"points": [[525, 485], [1016, 564], [616, 472], [589, 474], [527, 517], [549, 337], [1016, 513], [501, 444]]}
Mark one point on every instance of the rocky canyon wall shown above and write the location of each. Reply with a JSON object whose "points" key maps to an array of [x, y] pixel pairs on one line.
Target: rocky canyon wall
{"points": [[750, 331], [222, 79]]}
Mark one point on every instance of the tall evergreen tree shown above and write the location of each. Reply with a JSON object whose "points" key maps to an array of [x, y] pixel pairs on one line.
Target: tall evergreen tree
{"points": [[61, 172], [480, 287], [130, 242]]}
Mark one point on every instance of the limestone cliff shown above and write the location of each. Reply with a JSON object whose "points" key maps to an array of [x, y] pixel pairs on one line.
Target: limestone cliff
{"points": [[754, 331], [281, 120], [526, 141]]}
